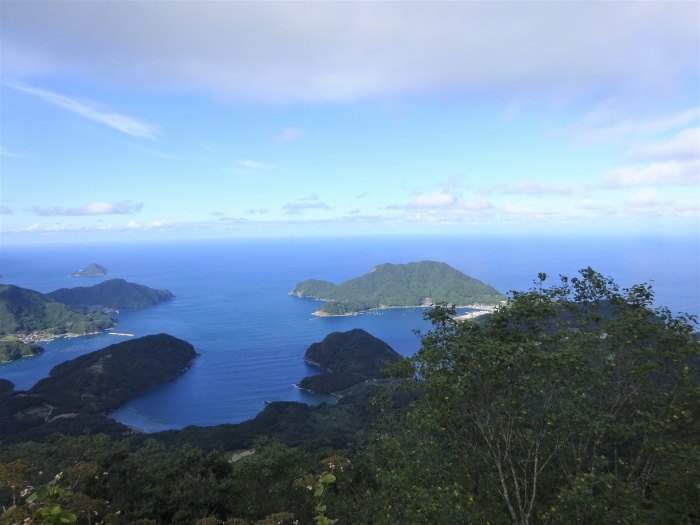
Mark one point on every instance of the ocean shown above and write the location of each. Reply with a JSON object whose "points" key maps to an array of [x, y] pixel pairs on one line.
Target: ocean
{"points": [[232, 303]]}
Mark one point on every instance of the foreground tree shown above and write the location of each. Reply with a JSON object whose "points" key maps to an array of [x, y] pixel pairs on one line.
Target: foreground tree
{"points": [[575, 403]]}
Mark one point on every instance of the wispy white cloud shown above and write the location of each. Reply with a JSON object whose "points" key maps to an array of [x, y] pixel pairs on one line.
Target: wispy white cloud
{"points": [[534, 188], [247, 163], [290, 134], [604, 125], [153, 225], [4, 210], [684, 173], [683, 145], [158, 154], [261, 211], [7, 153], [92, 208], [312, 202], [92, 111], [232, 219], [437, 199], [644, 197]]}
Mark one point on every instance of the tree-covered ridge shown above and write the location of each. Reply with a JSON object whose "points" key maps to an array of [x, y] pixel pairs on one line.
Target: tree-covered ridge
{"points": [[576, 403], [11, 349], [24, 311], [394, 285], [349, 358], [91, 270], [115, 293], [103, 380]]}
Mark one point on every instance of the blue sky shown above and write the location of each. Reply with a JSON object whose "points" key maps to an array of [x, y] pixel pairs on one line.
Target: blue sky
{"points": [[150, 120]]}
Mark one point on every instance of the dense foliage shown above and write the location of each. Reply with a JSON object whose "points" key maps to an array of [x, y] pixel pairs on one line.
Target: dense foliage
{"points": [[12, 349], [103, 380], [115, 293], [387, 285], [25, 311], [576, 403], [350, 358], [573, 404]]}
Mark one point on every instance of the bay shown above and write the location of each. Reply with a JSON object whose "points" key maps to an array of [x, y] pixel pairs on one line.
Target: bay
{"points": [[232, 303]]}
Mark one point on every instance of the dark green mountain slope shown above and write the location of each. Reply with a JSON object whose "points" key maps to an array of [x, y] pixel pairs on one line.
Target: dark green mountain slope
{"points": [[114, 293], [349, 358], [391, 285], [103, 380], [23, 311]]}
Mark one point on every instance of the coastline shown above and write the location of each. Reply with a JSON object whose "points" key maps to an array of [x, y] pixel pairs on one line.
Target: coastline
{"points": [[44, 337], [481, 308]]}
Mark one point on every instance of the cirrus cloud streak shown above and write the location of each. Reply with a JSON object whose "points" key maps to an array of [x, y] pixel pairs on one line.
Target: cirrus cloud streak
{"points": [[92, 208]]}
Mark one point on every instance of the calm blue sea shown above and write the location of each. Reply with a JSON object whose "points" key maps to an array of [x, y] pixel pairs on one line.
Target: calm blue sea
{"points": [[232, 303]]}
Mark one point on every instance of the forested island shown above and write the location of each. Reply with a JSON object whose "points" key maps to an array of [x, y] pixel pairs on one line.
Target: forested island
{"points": [[92, 270], [576, 402], [388, 285], [348, 358]]}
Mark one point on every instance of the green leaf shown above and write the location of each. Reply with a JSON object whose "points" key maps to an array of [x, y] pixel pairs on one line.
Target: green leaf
{"points": [[328, 478]]}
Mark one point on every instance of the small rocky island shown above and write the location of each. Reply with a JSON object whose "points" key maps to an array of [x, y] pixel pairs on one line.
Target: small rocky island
{"points": [[423, 283], [92, 270]]}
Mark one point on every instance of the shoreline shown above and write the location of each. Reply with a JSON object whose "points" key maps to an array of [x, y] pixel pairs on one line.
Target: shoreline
{"points": [[483, 308], [45, 337]]}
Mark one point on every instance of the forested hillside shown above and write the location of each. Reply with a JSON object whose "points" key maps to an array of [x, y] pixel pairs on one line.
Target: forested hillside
{"points": [[577, 402], [24, 311], [115, 293]]}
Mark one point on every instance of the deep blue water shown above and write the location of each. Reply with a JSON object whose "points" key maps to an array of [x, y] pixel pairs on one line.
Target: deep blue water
{"points": [[232, 303]]}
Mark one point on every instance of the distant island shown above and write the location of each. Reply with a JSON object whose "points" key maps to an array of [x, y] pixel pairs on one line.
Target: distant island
{"points": [[92, 270], [423, 283], [116, 294], [32, 317]]}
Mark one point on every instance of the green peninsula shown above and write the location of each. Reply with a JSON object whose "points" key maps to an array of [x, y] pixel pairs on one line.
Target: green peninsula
{"points": [[423, 283], [34, 316], [73, 399], [103, 380]]}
